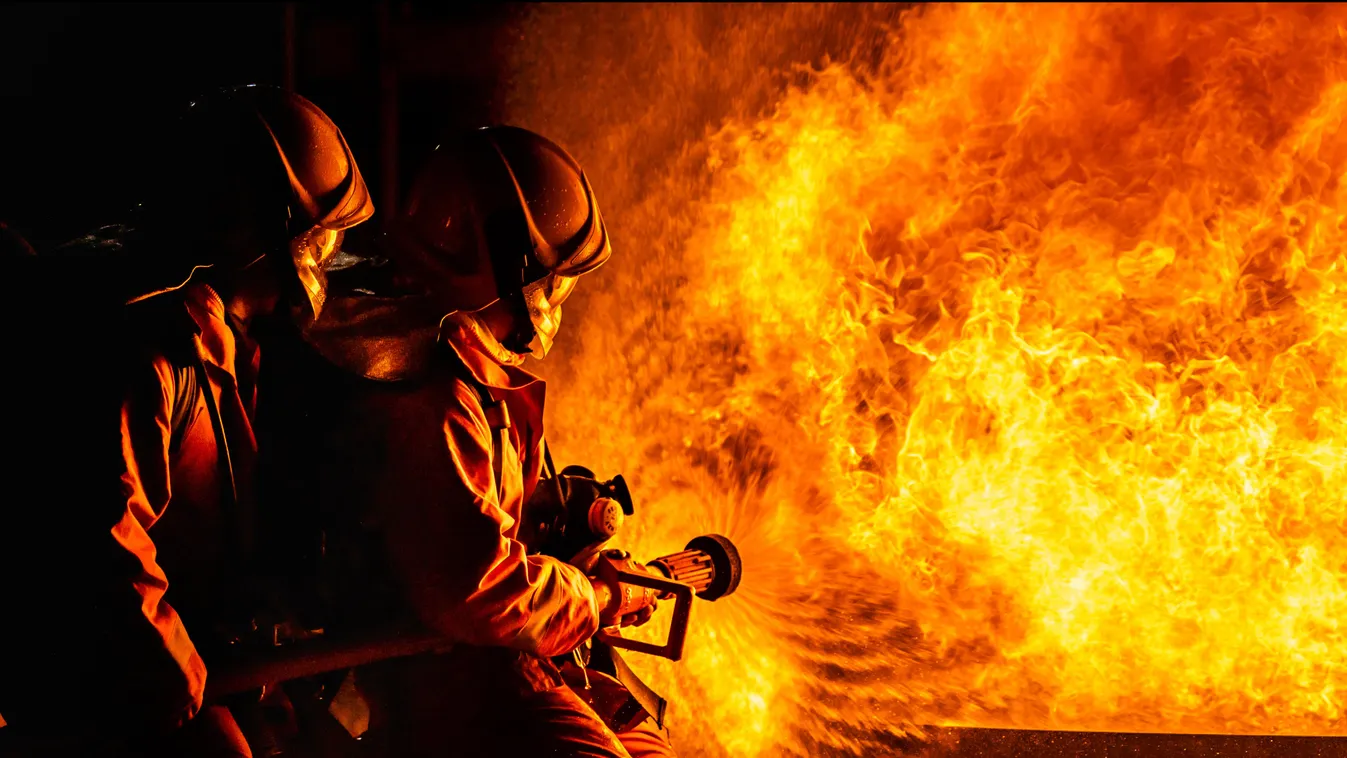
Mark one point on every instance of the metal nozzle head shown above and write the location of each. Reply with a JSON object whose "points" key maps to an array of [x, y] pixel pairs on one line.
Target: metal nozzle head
{"points": [[728, 568], [710, 563]]}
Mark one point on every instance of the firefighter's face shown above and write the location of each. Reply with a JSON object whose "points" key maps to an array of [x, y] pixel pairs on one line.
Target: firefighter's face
{"points": [[528, 322], [543, 301]]}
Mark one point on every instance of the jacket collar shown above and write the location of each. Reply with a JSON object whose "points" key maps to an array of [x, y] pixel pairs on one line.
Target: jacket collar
{"points": [[208, 313], [482, 366]]}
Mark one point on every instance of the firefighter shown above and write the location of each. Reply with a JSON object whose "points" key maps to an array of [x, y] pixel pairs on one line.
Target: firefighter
{"points": [[498, 228], [143, 541]]}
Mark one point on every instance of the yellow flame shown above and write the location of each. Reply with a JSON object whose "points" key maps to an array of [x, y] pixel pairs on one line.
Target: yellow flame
{"points": [[1016, 364]]}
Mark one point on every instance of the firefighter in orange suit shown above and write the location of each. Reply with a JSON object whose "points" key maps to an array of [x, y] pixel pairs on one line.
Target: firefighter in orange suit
{"points": [[259, 190], [498, 228]]}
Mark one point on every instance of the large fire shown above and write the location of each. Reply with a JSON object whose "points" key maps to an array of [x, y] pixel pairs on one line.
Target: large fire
{"points": [[1016, 363]]}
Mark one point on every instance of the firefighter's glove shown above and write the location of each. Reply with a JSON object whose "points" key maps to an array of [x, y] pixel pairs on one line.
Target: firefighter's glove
{"points": [[622, 604]]}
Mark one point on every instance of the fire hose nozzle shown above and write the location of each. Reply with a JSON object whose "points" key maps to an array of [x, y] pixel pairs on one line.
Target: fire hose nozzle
{"points": [[709, 567], [710, 563]]}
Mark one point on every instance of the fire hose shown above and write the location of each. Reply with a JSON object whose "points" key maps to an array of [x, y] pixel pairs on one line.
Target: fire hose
{"points": [[573, 519], [572, 516], [708, 568]]}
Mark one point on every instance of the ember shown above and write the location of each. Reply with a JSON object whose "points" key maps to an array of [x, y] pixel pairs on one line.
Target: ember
{"points": [[1015, 364]]}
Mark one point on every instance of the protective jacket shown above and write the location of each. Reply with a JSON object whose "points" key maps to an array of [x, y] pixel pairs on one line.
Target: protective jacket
{"points": [[457, 523], [190, 459], [459, 451], [116, 653], [453, 443]]}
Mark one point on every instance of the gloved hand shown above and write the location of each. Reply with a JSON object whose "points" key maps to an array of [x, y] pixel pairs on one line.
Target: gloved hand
{"points": [[621, 604]]}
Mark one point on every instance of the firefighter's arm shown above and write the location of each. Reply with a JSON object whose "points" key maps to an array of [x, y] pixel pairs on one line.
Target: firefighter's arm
{"points": [[621, 604], [145, 413], [145, 487], [466, 575]]}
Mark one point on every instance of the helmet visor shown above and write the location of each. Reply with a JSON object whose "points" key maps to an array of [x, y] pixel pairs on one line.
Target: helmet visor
{"points": [[311, 253], [543, 299]]}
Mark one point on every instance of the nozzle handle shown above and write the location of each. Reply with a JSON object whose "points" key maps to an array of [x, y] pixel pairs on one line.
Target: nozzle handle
{"points": [[678, 627]]}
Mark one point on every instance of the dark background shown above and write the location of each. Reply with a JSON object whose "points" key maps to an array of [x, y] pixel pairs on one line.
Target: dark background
{"points": [[85, 88]]}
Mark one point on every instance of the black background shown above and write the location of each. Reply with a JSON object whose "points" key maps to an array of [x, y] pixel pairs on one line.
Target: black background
{"points": [[85, 88]]}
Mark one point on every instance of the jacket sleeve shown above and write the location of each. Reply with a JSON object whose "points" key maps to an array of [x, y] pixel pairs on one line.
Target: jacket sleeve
{"points": [[164, 662], [453, 544]]}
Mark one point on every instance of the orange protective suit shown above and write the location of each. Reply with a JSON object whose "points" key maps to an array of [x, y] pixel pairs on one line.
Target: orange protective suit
{"points": [[452, 512], [126, 668]]}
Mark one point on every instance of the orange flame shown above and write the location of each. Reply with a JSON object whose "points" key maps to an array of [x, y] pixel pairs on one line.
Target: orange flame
{"points": [[1016, 365]]}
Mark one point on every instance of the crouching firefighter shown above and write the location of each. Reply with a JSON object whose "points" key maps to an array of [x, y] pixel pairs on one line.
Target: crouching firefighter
{"points": [[442, 450], [141, 548]]}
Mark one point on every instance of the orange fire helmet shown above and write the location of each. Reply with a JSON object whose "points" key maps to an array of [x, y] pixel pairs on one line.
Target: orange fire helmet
{"points": [[254, 172], [502, 213]]}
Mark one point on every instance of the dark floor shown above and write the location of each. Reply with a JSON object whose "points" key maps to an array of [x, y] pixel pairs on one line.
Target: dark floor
{"points": [[1002, 743]]}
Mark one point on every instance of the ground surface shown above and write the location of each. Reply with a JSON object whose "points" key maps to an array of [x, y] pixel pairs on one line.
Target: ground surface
{"points": [[999, 743]]}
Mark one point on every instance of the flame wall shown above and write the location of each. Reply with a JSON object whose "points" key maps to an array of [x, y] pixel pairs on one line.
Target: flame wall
{"points": [[1010, 349]]}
